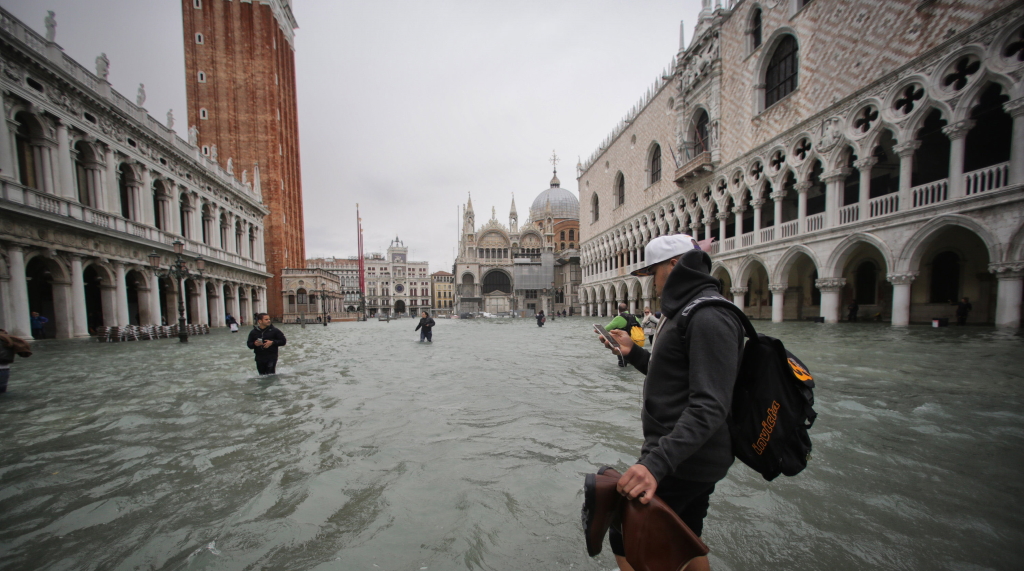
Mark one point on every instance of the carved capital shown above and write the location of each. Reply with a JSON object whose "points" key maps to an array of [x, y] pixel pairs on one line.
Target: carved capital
{"points": [[959, 129], [1007, 271], [1015, 108], [722, 216], [738, 290], [836, 175], [778, 195], [778, 288], [830, 284], [906, 278], [739, 209], [907, 149], [757, 203], [865, 163], [803, 186]]}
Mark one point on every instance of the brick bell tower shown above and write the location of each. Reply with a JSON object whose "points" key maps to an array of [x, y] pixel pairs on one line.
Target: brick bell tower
{"points": [[240, 80]]}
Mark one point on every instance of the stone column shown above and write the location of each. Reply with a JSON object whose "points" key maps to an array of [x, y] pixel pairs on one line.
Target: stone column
{"points": [[756, 204], [63, 315], [778, 298], [108, 295], [707, 228], [1008, 296], [778, 196], [906, 153], [46, 167], [147, 215], [155, 307], [738, 222], [217, 306], [632, 306], [722, 217], [801, 205], [1016, 110], [19, 323], [737, 296], [202, 303], [957, 133], [831, 290], [113, 194], [67, 173], [901, 284], [864, 168], [833, 187], [7, 160], [122, 295], [80, 327]]}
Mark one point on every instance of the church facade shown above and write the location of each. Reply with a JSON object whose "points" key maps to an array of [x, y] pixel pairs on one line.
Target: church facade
{"points": [[508, 270], [865, 155], [94, 194]]}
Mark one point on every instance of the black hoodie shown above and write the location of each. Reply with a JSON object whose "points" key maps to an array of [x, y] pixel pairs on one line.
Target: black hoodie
{"points": [[690, 378]]}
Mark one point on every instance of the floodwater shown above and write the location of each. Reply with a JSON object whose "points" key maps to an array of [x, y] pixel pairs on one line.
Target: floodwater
{"points": [[371, 451]]}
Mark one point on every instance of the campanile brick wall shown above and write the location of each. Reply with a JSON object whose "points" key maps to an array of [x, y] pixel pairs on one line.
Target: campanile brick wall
{"points": [[249, 97]]}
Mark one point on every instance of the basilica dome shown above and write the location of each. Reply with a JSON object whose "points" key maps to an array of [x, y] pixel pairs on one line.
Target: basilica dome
{"points": [[564, 203]]}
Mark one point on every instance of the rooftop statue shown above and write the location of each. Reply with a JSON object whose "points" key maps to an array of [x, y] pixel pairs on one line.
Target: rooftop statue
{"points": [[102, 66], [51, 26]]}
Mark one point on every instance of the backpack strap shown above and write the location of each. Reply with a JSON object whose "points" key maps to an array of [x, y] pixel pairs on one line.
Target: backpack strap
{"points": [[707, 301]]}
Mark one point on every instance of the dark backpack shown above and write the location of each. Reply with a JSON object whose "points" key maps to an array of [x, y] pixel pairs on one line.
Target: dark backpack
{"points": [[772, 403]]}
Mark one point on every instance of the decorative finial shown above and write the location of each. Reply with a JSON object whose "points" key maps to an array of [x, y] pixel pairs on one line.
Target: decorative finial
{"points": [[554, 162]]}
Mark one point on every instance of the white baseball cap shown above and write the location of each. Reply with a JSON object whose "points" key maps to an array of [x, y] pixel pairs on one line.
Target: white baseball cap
{"points": [[665, 248]]}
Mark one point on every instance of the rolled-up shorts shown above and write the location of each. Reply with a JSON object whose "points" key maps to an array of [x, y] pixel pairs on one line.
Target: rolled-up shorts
{"points": [[687, 498]]}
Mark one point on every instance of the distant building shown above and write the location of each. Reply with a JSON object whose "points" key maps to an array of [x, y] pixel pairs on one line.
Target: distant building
{"points": [[312, 294], [844, 154], [504, 269], [443, 286], [347, 270], [91, 185], [242, 112], [396, 286]]}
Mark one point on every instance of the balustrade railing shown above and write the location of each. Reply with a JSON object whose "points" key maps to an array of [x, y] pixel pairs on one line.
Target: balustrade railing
{"points": [[883, 205], [728, 244], [61, 206], [988, 178], [929, 193], [815, 222], [715, 247], [767, 234], [747, 240], [849, 213], [791, 228]]}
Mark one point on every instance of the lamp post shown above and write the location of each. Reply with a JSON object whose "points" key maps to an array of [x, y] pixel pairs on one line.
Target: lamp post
{"points": [[178, 271]]}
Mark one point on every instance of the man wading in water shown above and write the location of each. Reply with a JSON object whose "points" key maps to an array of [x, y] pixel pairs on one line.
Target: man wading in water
{"points": [[264, 339], [687, 390]]}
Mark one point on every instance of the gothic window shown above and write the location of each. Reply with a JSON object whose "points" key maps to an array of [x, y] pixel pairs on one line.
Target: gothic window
{"points": [[781, 76], [655, 164], [572, 234], [620, 190], [988, 142], [700, 134], [945, 278], [755, 29], [931, 159], [595, 208]]}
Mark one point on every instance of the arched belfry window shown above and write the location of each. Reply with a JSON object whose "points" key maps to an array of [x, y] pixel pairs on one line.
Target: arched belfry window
{"points": [[655, 163], [755, 29], [780, 78]]}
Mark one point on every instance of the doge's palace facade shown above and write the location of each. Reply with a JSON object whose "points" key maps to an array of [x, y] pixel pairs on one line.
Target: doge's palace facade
{"points": [[841, 153], [91, 184]]}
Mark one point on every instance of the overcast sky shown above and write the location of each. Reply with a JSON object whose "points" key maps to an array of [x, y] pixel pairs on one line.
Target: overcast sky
{"points": [[407, 106]]}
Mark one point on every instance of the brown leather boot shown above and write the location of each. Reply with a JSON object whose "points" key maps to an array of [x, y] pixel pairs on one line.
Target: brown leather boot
{"points": [[655, 539], [601, 502]]}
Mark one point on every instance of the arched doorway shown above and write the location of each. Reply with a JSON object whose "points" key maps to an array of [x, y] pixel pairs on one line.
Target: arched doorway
{"points": [[953, 264], [93, 299], [399, 307], [758, 298], [137, 309], [40, 275], [864, 267], [802, 298], [192, 302]]}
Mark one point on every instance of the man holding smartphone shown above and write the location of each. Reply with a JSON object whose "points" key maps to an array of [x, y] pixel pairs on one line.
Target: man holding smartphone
{"points": [[688, 388], [264, 339]]}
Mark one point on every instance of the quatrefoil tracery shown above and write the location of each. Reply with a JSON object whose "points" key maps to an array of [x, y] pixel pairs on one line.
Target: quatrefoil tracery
{"points": [[867, 117], [963, 70], [905, 104]]}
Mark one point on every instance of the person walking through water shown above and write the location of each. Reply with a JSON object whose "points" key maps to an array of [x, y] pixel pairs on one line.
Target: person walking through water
{"points": [[426, 328], [962, 309], [264, 339], [231, 322], [853, 308], [9, 347], [649, 324], [624, 321], [687, 392], [38, 322], [541, 319]]}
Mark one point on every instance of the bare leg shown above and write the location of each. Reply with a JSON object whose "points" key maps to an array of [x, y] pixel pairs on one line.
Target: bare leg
{"points": [[623, 565]]}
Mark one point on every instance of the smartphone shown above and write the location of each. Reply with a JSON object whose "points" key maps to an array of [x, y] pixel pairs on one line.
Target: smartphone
{"points": [[604, 333]]}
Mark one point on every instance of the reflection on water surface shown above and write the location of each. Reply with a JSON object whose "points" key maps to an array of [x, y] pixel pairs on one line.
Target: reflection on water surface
{"points": [[371, 451]]}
